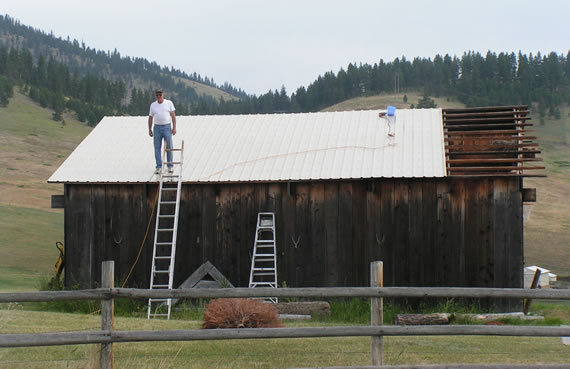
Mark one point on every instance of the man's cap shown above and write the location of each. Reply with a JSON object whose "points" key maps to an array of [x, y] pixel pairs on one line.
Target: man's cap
{"points": [[158, 90]]}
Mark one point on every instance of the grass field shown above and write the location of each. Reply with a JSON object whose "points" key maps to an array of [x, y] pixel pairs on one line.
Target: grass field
{"points": [[32, 146], [262, 353]]}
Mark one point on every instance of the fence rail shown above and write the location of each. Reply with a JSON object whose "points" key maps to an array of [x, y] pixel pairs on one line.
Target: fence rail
{"points": [[107, 335], [420, 292]]}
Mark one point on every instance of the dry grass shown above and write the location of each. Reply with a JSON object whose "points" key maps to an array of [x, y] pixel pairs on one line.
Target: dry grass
{"points": [[383, 100], [32, 146], [261, 353], [240, 313]]}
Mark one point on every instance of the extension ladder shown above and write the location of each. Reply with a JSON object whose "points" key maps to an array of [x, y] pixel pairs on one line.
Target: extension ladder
{"points": [[264, 261], [164, 250]]}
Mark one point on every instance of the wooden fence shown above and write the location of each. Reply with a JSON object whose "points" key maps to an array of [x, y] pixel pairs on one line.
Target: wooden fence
{"points": [[107, 335]]}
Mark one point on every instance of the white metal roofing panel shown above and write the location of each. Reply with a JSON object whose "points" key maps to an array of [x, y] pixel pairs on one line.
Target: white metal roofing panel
{"points": [[272, 147]]}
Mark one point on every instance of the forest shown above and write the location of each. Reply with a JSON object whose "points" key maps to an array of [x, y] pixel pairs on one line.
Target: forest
{"points": [[65, 74]]}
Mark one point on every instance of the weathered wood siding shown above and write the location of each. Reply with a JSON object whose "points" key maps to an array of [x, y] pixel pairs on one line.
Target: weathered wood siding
{"points": [[428, 232]]}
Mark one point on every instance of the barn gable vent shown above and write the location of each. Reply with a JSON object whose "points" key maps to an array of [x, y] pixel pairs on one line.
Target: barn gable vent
{"points": [[490, 141]]}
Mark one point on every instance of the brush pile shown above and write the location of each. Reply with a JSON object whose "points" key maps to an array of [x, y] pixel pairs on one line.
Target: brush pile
{"points": [[240, 313]]}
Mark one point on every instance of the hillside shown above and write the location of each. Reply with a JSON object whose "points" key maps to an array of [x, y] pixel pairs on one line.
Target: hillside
{"points": [[32, 146], [135, 72]]}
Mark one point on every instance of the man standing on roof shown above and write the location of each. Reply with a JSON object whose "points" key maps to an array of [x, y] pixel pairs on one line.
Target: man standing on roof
{"points": [[162, 115]]}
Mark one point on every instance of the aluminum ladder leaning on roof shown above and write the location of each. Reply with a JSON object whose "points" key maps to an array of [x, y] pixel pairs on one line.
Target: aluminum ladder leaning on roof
{"points": [[164, 250], [264, 262]]}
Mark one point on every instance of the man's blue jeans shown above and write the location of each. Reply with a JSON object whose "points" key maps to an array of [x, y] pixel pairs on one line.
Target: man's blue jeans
{"points": [[160, 132]]}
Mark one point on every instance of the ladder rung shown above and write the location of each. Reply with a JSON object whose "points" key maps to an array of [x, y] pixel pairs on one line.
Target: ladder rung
{"points": [[163, 243], [263, 284], [263, 268], [266, 246], [166, 230], [263, 259], [169, 188], [173, 162], [161, 271], [262, 273], [171, 176], [162, 257], [173, 149], [159, 286], [158, 300], [166, 216], [265, 241], [168, 202]]}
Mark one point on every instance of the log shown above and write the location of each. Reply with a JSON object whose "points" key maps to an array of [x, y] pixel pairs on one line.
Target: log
{"points": [[422, 319], [304, 308], [496, 316]]}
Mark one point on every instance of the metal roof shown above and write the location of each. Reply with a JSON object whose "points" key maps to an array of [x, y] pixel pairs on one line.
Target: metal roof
{"points": [[272, 147]]}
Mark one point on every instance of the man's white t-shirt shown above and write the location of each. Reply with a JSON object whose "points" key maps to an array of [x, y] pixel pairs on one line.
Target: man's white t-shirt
{"points": [[161, 112]]}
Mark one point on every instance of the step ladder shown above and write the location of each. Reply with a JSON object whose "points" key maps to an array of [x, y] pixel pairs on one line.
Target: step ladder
{"points": [[264, 260], [166, 229]]}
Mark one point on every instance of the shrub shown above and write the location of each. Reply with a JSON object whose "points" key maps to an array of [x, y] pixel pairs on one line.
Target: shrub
{"points": [[240, 313]]}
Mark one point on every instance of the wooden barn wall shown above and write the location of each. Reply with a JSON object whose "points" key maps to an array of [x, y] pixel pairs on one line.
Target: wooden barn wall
{"points": [[429, 232]]}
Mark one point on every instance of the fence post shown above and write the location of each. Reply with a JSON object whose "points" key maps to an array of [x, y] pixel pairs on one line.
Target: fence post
{"points": [[107, 319], [376, 311]]}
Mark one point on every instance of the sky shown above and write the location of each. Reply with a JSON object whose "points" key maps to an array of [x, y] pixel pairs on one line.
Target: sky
{"points": [[262, 45]]}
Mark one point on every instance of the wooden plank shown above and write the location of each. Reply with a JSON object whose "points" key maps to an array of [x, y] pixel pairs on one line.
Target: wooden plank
{"points": [[492, 160], [456, 248], [303, 234], [374, 242], [386, 236], [473, 247], [98, 216], [461, 127], [332, 254], [429, 215], [442, 235], [345, 214], [274, 191], [107, 314], [223, 245], [500, 234], [234, 271], [491, 168], [247, 230], [112, 231], [359, 227], [416, 242], [376, 313], [489, 131], [58, 201], [516, 238], [425, 292], [449, 120], [487, 113], [401, 229], [453, 148], [318, 241], [209, 219], [289, 247], [82, 249], [72, 338]]}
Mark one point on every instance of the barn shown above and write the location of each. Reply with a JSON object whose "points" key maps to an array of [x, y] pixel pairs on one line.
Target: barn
{"points": [[437, 194]]}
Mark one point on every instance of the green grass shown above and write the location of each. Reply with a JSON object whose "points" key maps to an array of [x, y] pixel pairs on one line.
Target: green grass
{"points": [[261, 353], [27, 246]]}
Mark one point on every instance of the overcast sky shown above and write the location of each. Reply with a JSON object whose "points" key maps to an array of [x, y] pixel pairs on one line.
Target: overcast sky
{"points": [[258, 45]]}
